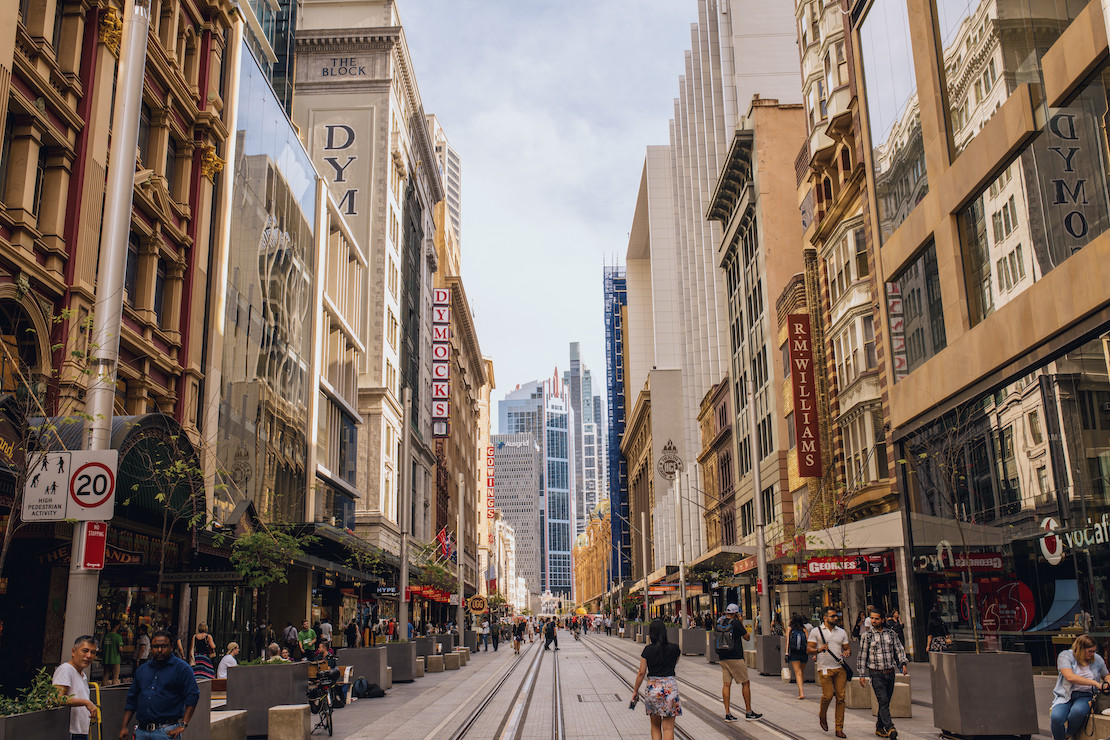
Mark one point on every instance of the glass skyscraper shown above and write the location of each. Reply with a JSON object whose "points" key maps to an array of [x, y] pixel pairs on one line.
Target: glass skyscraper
{"points": [[616, 299]]}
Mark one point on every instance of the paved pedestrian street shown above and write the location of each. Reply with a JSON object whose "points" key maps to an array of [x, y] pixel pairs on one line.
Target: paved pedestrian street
{"points": [[583, 690]]}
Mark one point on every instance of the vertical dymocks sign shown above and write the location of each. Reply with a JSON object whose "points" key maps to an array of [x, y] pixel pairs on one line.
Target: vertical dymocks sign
{"points": [[441, 362], [803, 382], [490, 501]]}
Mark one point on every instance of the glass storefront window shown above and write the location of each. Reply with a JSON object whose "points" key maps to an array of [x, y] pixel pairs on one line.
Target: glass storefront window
{"points": [[1012, 485], [893, 113], [989, 48], [1049, 202], [914, 314]]}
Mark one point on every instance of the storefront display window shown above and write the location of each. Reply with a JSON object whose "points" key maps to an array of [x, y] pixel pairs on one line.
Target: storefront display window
{"points": [[1049, 202], [1010, 487]]}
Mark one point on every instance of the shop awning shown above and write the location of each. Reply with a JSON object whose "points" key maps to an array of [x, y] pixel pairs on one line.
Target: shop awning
{"points": [[929, 531], [882, 532], [721, 558]]}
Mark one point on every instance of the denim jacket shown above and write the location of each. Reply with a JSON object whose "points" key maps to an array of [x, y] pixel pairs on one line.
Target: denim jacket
{"points": [[1062, 693]]}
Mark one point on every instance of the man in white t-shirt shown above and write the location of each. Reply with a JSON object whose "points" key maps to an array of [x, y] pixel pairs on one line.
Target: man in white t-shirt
{"points": [[70, 681], [325, 630], [228, 660], [828, 641]]}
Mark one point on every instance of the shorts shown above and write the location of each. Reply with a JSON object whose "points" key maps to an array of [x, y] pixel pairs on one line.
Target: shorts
{"points": [[734, 670]]}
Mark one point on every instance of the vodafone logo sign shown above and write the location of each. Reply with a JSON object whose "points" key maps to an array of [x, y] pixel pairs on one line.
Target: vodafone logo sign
{"points": [[1052, 546]]}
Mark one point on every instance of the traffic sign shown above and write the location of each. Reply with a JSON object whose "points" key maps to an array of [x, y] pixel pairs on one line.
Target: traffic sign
{"points": [[477, 604], [96, 543], [77, 485]]}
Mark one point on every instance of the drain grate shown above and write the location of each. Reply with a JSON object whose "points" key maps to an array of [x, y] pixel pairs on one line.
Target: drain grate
{"points": [[597, 697]]}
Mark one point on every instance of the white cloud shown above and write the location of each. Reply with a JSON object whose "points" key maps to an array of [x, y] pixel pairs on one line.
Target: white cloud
{"points": [[550, 105]]}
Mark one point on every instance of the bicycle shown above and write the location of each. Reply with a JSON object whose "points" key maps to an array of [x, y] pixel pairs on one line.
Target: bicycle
{"points": [[319, 695]]}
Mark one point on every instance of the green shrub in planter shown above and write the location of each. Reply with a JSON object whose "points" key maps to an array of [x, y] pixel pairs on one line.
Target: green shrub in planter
{"points": [[39, 711]]}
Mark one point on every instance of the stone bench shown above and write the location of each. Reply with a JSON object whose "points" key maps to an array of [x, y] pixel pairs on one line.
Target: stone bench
{"points": [[289, 722], [639, 638], [858, 697], [900, 705], [434, 664], [229, 725], [462, 657], [451, 661], [1098, 725], [749, 658], [465, 650], [388, 677], [420, 666]]}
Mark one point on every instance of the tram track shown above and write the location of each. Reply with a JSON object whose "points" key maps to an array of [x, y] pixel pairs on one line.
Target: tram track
{"points": [[707, 715]]}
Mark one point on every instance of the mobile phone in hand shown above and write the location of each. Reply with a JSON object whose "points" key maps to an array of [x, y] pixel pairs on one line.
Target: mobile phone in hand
{"points": [[632, 704]]}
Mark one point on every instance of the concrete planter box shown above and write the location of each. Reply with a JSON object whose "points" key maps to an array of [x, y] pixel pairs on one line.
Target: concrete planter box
{"points": [[986, 694], [45, 723], [446, 643], [402, 659], [256, 688], [370, 663], [768, 654], [692, 641], [112, 699], [425, 646], [672, 635], [711, 646], [470, 640]]}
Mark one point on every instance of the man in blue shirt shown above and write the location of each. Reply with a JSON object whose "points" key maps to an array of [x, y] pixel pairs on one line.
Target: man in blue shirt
{"points": [[163, 694]]}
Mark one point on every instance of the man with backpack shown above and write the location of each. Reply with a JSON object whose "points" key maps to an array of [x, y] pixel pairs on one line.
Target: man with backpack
{"points": [[730, 654], [549, 635]]}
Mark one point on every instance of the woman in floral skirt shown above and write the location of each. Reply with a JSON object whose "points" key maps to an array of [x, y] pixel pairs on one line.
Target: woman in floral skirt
{"points": [[657, 664]]}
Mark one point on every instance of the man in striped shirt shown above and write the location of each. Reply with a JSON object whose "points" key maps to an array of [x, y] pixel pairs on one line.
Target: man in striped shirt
{"points": [[880, 655]]}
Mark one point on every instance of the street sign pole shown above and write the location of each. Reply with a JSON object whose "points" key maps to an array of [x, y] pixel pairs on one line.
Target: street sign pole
{"points": [[405, 520], [81, 595], [681, 547], [757, 496], [460, 613]]}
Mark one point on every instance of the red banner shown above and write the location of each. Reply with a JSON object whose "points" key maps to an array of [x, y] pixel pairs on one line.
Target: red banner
{"points": [[848, 565], [807, 431]]}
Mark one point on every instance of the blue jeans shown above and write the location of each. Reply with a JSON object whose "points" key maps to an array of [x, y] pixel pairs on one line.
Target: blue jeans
{"points": [[1073, 712], [883, 686], [485, 640]]}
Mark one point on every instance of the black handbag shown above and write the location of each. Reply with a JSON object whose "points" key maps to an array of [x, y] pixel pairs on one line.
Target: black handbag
{"points": [[843, 664]]}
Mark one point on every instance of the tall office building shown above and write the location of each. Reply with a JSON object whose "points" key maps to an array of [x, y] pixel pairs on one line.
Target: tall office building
{"points": [[450, 170], [517, 489], [360, 113], [543, 408], [616, 299], [587, 465]]}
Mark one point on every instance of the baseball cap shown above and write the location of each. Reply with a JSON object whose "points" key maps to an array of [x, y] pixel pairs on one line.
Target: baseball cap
{"points": [[732, 609]]}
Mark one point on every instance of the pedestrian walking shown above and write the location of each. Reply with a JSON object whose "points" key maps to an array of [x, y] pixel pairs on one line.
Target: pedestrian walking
{"points": [[113, 644], [829, 643], [1082, 673], [657, 664], [71, 682], [289, 637], [936, 631], [203, 649], [797, 652], [881, 654], [495, 633], [894, 622], [163, 696], [728, 636], [263, 636], [483, 632], [228, 660], [518, 635], [351, 633], [142, 646], [549, 635], [325, 630]]}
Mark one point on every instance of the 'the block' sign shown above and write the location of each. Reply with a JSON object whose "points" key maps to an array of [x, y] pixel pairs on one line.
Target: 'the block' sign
{"points": [[441, 362], [803, 382]]}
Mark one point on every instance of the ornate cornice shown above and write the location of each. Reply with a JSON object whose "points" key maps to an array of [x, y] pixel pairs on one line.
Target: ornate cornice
{"points": [[210, 163]]}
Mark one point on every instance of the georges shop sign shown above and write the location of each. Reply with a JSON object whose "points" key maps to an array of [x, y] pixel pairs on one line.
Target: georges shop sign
{"points": [[803, 384], [1055, 546]]}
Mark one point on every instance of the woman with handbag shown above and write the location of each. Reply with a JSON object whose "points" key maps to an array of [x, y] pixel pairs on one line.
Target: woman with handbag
{"points": [[797, 654], [1082, 675], [936, 631]]}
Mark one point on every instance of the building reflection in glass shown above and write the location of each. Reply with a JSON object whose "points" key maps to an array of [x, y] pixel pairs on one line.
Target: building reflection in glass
{"points": [[987, 481], [1049, 202], [892, 110], [267, 335]]}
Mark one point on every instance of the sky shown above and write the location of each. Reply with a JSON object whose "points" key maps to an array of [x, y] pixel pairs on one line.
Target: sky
{"points": [[551, 105]]}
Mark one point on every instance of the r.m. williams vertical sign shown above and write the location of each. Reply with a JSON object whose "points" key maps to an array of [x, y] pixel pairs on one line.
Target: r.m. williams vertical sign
{"points": [[803, 381]]}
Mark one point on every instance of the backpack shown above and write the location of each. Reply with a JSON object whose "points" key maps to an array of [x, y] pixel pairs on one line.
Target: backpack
{"points": [[363, 689], [723, 641], [797, 642]]}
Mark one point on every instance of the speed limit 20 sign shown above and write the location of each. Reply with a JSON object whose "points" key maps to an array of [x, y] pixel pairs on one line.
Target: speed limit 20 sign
{"points": [[77, 485]]}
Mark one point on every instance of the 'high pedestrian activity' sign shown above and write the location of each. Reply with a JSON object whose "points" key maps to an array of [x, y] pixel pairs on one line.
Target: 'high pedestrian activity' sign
{"points": [[77, 485]]}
